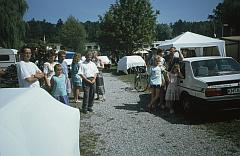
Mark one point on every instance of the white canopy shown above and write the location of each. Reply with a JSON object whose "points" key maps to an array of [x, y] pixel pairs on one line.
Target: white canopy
{"points": [[32, 122], [127, 62], [104, 59], [142, 51], [192, 40]]}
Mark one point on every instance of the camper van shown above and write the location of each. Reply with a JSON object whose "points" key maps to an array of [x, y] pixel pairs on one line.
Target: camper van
{"points": [[8, 57]]}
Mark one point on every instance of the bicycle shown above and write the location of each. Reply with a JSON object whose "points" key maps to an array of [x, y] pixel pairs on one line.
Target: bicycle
{"points": [[140, 79]]}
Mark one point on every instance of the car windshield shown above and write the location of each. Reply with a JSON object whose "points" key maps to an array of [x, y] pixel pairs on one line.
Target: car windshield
{"points": [[69, 55], [215, 67]]}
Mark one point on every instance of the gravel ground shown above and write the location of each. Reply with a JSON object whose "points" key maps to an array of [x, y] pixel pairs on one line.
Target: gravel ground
{"points": [[119, 126]]}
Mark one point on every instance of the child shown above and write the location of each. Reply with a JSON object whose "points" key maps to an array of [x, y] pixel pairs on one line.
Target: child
{"points": [[76, 79], [172, 93], [59, 85], [155, 83]]}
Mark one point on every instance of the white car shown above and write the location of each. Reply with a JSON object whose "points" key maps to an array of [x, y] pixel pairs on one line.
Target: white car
{"points": [[209, 82]]}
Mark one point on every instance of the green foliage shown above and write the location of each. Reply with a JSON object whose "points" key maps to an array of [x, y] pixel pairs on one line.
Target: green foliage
{"points": [[203, 28], [92, 30], [127, 25], [73, 35], [227, 13], [38, 29], [12, 26], [163, 32]]}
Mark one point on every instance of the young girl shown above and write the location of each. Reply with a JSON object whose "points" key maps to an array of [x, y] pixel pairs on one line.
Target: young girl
{"points": [[100, 90], [172, 93], [59, 85], [76, 79], [155, 83]]}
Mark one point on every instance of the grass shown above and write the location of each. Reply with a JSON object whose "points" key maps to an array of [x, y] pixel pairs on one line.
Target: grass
{"points": [[128, 78]]}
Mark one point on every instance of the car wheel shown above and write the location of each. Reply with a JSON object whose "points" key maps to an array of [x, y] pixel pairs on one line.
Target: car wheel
{"points": [[186, 104]]}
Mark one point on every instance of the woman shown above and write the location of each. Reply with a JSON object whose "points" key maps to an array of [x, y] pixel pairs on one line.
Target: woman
{"points": [[76, 79], [100, 90], [48, 68], [155, 73]]}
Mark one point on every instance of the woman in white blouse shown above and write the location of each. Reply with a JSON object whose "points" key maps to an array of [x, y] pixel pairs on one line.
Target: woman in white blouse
{"points": [[48, 68]]}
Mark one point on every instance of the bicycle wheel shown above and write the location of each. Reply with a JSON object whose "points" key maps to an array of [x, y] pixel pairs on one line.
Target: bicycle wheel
{"points": [[141, 82]]}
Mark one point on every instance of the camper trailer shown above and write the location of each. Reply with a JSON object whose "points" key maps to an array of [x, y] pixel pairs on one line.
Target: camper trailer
{"points": [[8, 57]]}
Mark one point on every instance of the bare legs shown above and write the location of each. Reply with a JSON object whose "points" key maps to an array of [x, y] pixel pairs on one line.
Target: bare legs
{"points": [[155, 95]]}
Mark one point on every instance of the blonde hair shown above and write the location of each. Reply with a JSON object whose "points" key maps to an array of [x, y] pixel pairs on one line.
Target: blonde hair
{"points": [[76, 58], [175, 66]]}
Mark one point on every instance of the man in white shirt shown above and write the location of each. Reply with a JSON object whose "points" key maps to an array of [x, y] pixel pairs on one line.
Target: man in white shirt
{"points": [[88, 71], [28, 73]]}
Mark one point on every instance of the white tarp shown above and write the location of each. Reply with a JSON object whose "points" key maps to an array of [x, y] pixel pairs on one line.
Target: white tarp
{"points": [[104, 59], [192, 40], [127, 62], [32, 123], [142, 51]]}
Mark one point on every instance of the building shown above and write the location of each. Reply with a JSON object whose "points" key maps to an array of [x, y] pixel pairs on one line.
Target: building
{"points": [[92, 46]]}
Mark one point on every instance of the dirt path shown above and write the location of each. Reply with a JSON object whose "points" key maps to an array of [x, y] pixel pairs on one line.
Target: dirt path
{"points": [[119, 127]]}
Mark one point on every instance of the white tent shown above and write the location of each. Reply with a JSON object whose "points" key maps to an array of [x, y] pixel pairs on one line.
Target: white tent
{"points": [[104, 59], [34, 123], [127, 62], [142, 51], [192, 40]]}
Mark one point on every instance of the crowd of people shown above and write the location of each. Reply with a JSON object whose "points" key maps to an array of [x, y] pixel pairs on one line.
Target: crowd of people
{"points": [[164, 72], [86, 76]]}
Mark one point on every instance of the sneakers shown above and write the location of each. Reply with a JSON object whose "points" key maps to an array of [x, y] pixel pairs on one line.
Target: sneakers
{"points": [[90, 109], [84, 111]]}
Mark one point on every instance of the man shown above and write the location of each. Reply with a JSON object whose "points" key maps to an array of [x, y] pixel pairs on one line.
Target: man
{"points": [[171, 59], [28, 73], [88, 71]]}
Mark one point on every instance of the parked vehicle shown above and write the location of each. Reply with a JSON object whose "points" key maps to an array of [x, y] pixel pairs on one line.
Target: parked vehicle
{"points": [[8, 57], [209, 82], [106, 61]]}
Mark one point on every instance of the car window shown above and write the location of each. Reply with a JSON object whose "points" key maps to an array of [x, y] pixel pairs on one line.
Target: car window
{"points": [[215, 67], [69, 55]]}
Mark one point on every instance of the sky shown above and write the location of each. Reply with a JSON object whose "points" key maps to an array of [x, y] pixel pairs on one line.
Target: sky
{"points": [[89, 10]]}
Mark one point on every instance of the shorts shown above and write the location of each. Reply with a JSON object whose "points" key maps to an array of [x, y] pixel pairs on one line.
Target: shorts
{"points": [[155, 86]]}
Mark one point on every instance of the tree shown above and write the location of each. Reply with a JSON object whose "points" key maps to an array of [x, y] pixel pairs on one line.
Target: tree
{"points": [[73, 35], [163, 32], [128, 25], [12, 26], [38, 29], [92, 30], [227, 14]]}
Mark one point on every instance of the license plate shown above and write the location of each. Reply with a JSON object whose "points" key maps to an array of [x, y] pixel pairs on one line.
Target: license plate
{"points": [[233, 91]]}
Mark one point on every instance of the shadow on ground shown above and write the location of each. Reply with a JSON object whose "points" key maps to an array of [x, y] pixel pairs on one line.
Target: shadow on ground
{"points": [[196, 118]]}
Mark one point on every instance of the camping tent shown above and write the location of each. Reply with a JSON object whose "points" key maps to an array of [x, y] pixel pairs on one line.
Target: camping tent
{"points": [[127, 62], [104, 59], [142, 51], [192, 40], [32, 122]]}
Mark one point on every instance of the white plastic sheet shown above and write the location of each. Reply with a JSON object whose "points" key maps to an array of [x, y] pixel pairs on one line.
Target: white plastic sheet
{"points": [[130, 61], [192, 40], [32, 123]]}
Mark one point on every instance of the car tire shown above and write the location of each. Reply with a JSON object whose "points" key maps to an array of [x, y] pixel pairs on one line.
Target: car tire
{"points": [[186, 102]]}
